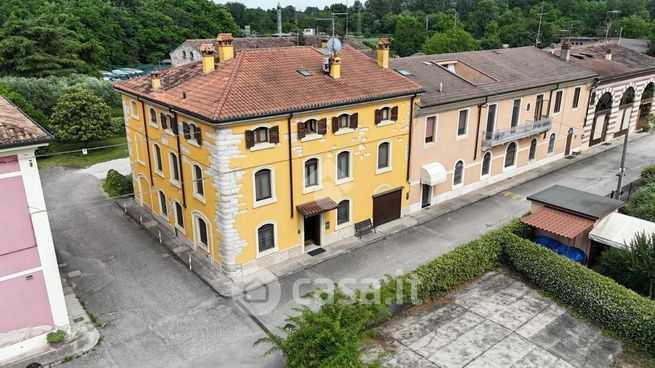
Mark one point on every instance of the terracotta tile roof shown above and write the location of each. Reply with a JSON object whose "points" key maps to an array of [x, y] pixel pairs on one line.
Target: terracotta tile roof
{"points": [[509, 69], [261, 82], [16, 128], [558, 222], [316, 207], [624, 60]]}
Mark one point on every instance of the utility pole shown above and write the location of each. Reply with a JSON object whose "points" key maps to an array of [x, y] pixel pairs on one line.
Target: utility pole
{"points": [[541, 17], [621, 172], [609, 24]]}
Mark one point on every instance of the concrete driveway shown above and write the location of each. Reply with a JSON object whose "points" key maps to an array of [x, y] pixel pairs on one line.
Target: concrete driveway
{"points": [[155, 312], [495, 322]]}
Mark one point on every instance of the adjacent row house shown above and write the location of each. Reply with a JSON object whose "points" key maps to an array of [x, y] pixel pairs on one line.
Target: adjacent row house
{"points": [[264, 154]]}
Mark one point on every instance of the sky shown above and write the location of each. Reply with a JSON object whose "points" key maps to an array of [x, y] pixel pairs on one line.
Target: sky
{"points": [[298, 4]]}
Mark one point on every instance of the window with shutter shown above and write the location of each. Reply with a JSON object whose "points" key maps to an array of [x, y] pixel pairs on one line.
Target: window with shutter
{"points": [[197, 134], [378, 116], [174, 125], [335, 124], [274, 133], [322, 126], [312, 126], [186, 130], [394, 113], [250, 138], [164, 121], [354, 120]]}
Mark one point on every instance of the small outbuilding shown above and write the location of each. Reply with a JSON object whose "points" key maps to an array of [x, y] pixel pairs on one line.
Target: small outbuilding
{"points": [[568, 216], [617, 230]]}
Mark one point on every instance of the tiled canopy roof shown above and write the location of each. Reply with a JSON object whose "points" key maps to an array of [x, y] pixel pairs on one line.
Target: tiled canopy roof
{"points": [[510, 70], [316, 207], [558, 222], [16, 128], [261, 82]]}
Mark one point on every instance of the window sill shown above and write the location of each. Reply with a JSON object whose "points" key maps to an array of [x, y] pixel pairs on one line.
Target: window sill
{"points": [[143, 163], [509, 168], [460, 137], [382, 171], [199, 198], [267, 252], [342, 131], [175, 183], [429, 144], [193, 142], [457, 186], [264, 202], [343, 226], [159, 173], [169, 132], [261, 146], [485, 176], [311, 137], [202, 246], [154, 125], [313, 188], [386, 122], [180, 229], [343, 181]]}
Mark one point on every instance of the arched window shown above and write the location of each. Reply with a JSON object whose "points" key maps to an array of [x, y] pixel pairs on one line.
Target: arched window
{"points": [[266, 237], [179, 214], [163, 209], [385, 113], [311, 126], [648, 91], [193, 133], [344, 121], [159, 166], [551, 143], [183, 54], [604, 102], [343, 165], [533, 149], [486, 164], [201, 232], [311, 172], [153, 117], [198, 183], [458, 173], [175, 170], [628, 97], [343, 212], [510, 155], [261, 135], [263, 185], [191, 55], [134, 111], [384, 155]]}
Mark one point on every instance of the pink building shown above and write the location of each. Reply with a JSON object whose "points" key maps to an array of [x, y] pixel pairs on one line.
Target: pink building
{"points": [[31, 295]]}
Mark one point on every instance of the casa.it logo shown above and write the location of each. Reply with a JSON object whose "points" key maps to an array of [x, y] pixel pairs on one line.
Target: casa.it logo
{"points": [[260, 292]]}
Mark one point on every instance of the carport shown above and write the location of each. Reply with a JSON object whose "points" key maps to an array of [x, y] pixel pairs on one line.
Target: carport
{"points": [[617, 230]]}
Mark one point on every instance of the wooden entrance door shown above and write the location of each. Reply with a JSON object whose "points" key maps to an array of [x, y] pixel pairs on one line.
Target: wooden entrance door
{"points": [[312, 228], [599, 128], [569, 141], [386, 206], [426, 195]]}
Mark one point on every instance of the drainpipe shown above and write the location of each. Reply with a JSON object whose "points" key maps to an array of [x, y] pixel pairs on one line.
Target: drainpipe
{"points": [[477, 131], [290, 165], [411, 124], [145, 132], [179, 159]]}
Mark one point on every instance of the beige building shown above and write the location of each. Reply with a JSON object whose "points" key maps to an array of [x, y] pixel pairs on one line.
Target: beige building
{"points": [[490, 115]]}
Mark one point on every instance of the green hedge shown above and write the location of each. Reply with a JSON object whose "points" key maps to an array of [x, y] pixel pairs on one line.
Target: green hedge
{"points": [[117, 184], [648, 174], [463, 264], [592, 295]]}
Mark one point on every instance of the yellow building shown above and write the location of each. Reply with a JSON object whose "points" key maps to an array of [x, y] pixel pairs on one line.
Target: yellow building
{"points": [[260, 156]]}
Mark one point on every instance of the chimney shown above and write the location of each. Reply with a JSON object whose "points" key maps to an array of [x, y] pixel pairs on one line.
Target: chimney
{"points": [[383, 52], [335, 66], [608, 54], [207, 51], [565, 53], [225, 47], [324, 43], [155, 79]]}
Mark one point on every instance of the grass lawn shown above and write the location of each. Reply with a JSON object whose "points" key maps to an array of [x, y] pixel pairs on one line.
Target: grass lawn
{"points": [[77, 160]]}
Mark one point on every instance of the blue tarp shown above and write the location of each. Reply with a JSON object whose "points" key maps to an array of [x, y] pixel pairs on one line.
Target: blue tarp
{"points": [[572, 253]]}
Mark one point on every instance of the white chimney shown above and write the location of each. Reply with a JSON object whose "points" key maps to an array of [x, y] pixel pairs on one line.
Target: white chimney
{"points": [[565, 53], [608, 54]]}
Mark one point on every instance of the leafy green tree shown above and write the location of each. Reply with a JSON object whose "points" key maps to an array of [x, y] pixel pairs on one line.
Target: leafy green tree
{"points": [[454, 40], [80, 116], [408, 36], [633, 26], [642, 203], [23, 104], [634, 267]]}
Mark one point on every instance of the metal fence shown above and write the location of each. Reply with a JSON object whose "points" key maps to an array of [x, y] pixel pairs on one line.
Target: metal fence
{"points": [[628, 189]]}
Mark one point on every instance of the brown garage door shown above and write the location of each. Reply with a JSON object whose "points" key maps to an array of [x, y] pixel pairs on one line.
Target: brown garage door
{"points": [[386, 206]]}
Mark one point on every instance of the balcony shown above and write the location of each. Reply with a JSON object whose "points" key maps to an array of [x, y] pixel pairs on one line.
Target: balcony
{"points": [[502, 136]]}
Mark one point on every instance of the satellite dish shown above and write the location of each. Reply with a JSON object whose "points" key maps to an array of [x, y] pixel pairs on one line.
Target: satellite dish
{"points": [[334, 45]]}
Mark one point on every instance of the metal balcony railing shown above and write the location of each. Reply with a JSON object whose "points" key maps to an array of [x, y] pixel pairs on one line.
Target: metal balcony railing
{"points": [[530, 128]]}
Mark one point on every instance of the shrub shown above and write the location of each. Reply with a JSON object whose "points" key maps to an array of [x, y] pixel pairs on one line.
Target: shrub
{"points": [[647, 127], [457, 267], [592, 295], [648, 174], [642, 203], [330, 337], [56, 337], [117, 184], [80, 116], [634, 267], [518, 228]]}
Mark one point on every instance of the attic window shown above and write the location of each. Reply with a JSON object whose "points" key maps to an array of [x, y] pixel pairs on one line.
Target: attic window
{"points": [[304, 72], [428, 63], [587, 55], [404, 72], [580, 57]]}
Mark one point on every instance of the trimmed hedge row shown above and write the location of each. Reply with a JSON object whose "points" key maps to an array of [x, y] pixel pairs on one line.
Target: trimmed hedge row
{"points": [[592, 295], [459, 266]]}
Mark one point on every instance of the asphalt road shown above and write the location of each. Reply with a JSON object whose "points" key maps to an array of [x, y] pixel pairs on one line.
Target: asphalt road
{"points": [[158, 314]]}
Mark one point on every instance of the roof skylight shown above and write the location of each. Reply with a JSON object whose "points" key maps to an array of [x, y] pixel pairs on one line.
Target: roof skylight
{"points": [[403, 72]]}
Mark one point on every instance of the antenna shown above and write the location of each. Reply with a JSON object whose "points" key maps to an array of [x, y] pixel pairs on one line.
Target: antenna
{"points": [[334, 45], [541, 17]]}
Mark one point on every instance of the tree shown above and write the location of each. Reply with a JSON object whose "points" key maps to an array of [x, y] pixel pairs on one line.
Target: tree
{"points": [[633, 26], [80, 116], [408, 37], [642, 203], [634, 267], [454, 40]]}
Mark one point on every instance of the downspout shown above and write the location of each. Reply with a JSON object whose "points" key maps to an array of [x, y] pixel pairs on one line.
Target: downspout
{"points": [[477, 131], [411, 130], [145, 132], [290, 165], [179, 159]]}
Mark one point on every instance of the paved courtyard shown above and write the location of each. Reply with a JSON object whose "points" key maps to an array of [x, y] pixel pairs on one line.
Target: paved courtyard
{"points": [[498, 321]]}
